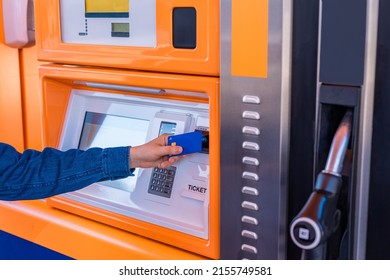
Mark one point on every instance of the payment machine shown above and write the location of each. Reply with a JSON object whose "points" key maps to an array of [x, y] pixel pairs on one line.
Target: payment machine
{"points": [[177, 205], [288, 96], [125, 72]]}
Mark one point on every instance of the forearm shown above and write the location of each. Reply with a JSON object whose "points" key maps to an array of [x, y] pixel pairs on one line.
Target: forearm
{"points": [[33, 174]]}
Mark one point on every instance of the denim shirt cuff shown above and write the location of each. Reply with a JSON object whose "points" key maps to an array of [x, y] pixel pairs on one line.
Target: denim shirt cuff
{"points": [[116, 162]]}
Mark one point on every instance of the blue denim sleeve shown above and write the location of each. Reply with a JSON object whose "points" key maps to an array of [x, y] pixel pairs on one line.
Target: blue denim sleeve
{"points": [[33, 174]]}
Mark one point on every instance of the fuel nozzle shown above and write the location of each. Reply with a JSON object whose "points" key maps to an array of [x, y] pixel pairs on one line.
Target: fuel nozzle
{"points": [[319, 218]]}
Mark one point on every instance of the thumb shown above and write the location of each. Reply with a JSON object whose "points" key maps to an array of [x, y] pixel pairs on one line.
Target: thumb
{"points": [[173, 150]]}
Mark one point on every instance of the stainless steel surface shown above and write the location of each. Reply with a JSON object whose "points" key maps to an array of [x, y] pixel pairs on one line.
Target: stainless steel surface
{"points": [[125, 88], [243, 101], [339, 146], [365, 133]]}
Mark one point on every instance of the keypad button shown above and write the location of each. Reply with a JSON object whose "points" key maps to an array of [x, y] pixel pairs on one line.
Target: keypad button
{"points": [[251, 99], [250, 130], [251, 146], [251, 115], [250, 191], [249, 234], [249, 205], [249, 220], [249, 248], [250, 176], [250, 161]]}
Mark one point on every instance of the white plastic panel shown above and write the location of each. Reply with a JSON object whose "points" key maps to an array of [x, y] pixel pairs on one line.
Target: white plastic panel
{"points": [[131, 120]]}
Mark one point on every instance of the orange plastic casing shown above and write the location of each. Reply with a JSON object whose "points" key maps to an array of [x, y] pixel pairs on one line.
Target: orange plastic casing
{"points": [[57, 83], [11, 116], [203, 60], [81, 238]]}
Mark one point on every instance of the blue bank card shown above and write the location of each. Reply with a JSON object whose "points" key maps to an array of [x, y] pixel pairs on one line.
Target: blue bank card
{"points": [[190, 142]]}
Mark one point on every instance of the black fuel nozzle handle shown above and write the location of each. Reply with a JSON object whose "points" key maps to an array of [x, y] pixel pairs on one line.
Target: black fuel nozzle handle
{"points": [[319, 217]]}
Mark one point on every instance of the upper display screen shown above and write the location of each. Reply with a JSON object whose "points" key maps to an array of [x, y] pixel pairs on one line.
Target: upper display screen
{"points": [[109, 22]]}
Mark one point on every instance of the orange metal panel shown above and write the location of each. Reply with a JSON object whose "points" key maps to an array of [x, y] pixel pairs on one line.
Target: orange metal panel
{"points": [[57, 82], [11, 119], [250, 38], [78, 237], [31, 98], [203, 60]]}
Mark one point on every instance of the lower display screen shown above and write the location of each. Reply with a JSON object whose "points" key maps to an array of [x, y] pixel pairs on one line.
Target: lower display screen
{"points": [[102, 130]]}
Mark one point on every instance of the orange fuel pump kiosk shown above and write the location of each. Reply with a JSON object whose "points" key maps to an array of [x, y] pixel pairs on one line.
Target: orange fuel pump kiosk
{"points": [[121, 73]]}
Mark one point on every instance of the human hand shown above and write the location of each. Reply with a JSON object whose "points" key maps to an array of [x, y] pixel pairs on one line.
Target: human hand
{"points": [[154, 153]]}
